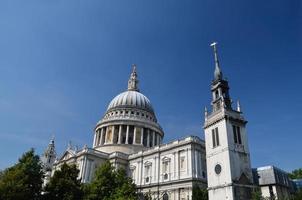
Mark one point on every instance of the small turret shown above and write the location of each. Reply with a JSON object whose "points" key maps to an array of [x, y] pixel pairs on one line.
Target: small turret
{"points": [[49, 155], [205, 113], [238, 106], [48, 158]]}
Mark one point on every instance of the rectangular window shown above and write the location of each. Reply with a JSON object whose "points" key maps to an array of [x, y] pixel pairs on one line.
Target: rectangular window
{"points": [[147, 171], [138, 135], [145, 137], [237, 135], [165, 167], [215, 137], [182, 163], [147, 174], [109, 135]]}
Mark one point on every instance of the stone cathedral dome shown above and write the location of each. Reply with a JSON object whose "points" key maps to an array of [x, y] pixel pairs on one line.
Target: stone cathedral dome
{"points": [[129, 123], [131, 99]]}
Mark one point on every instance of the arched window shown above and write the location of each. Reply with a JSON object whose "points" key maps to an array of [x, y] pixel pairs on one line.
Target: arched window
{"points": [[165, 196]]}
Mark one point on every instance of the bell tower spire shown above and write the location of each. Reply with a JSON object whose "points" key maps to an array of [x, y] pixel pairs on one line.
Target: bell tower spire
{"points": [[220, 86], [227, 152], [133, 81], [217, 72]]}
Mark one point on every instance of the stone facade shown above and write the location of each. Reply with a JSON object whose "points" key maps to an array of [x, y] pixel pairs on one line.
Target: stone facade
{"points": [[130, 137], [170, 169]]}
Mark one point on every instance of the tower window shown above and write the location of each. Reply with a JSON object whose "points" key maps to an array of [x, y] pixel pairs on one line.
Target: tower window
{"points": [[216, 94], [215, 137], [237, 135]]}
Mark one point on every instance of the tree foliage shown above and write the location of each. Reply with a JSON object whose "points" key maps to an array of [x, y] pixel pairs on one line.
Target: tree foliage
{"points": [[23, 180], [199, 193], [110, 184], [125, 188], [296, 174], [64, 184], [298, 195], [257, 195]]}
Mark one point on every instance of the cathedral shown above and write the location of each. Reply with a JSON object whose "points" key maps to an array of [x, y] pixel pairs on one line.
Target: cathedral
{"points": [[129, 136]]}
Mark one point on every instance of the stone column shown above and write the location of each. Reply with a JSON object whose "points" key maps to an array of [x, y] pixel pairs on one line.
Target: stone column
{"points": [[120, 135], [113, 133], [153, 138], [95, 138], [134, 135], [99, 137], [148, 138], [158, 137], [127, 134], [105, 136], [84, 169], [102, 137], [142, 136]]}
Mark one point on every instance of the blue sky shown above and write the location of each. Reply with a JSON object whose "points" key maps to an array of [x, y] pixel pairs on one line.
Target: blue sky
{"points": [[62, 61]]}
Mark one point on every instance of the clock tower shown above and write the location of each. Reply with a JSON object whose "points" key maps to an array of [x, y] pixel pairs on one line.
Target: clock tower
{"points": [[227, 152]]}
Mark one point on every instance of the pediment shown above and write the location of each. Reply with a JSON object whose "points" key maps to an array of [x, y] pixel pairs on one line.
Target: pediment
{"points": [[147, 163], [67, 154], [243, 180], [166, 159]]}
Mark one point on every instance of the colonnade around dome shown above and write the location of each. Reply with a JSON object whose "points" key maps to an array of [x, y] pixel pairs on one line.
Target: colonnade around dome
{"points": [[126, 134]]}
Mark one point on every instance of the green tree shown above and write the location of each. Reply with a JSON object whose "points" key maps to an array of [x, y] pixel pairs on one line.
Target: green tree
{"points": [[64, 184], [298, 195], [256, 194], [110, 184], [23, 180], [102, 185], [296, 174], [1, 174], [199, 193], [125, 188]]}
